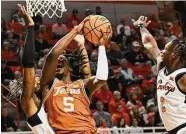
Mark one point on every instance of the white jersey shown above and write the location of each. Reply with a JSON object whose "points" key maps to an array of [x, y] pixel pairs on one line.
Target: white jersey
{"points": [[39, 123], [171, 100]]}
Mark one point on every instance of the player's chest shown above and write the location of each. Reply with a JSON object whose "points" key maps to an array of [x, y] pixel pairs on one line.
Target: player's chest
{"points": [[165, 85], [61, 91]]}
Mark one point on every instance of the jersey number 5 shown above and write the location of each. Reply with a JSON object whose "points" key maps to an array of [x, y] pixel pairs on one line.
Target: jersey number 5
{"points": [[69, 106]]}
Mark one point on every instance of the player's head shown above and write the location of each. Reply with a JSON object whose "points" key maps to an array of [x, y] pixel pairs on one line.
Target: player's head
{"points": [[63, 67], [175, 52], [71, 64]]}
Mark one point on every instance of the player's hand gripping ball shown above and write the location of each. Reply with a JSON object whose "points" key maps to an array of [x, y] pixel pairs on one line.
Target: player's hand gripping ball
{"points": [[97, 30]]}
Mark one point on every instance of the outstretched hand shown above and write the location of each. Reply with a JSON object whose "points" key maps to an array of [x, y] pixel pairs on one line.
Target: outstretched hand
{"points": [[80, 26], [29, 21], [22, 10], [141, 20]]}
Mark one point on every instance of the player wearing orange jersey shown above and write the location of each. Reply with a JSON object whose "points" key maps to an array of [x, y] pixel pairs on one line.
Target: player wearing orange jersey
{"points": [[67, 101]]}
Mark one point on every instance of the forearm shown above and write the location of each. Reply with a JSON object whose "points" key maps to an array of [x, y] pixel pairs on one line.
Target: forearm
{"points": [[63, 43], [28, 57], [149, 43], [102, 66], [85, 69]]}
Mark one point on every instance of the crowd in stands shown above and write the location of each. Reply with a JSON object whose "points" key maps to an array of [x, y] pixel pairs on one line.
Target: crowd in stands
{"points": [[129, 97]]}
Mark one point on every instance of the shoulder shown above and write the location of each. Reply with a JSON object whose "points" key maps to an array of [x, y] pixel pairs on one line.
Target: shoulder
{"points": [[95, 114], [107, 114], [111, 102]]}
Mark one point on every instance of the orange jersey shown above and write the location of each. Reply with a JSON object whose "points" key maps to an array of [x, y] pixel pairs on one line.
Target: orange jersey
{"points": [[68, 108]]}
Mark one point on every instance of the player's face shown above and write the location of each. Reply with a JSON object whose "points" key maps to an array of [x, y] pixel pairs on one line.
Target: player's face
{"points": [[166, 53], [62, 66]]}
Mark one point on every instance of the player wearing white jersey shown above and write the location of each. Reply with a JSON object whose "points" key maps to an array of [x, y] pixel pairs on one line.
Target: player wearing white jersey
{"points": [[32, 103], [171, 81]]}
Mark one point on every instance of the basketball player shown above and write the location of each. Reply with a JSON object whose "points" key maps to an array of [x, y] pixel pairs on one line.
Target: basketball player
{"points": [[171, 81], [67, 102], [30, 102]]}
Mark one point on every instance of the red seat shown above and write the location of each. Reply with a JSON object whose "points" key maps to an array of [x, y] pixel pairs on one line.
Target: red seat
{"points": [[18, 28], [141, 71], [16, 68]]}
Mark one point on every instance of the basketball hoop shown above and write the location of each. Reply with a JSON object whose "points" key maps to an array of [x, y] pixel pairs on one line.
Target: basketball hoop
{"points": [[46, 7]]}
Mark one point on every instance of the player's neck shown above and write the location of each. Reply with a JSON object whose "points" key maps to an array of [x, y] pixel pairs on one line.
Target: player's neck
{"points": [[67, 79], [175, 66]]}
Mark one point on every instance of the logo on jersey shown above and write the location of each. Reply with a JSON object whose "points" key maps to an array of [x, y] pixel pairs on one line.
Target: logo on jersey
{"points": [[171, 78], [160, 81], [64, 90], [166, 87]]}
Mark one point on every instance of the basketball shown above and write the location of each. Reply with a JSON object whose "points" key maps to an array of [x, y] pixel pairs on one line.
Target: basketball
{"points": [[94, 28]]}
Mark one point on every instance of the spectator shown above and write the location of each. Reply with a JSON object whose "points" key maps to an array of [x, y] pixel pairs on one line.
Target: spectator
{"points": [[120, 124], [120, 114], [114, 55], [59, 29], [114, 34], [121, 38], [6, 73], [154, 23], [126, 75], [169, 36], [112, 79], [126, 28], [3, 30], [98, 10], [103, 125], [104, 95], [3, 25], [151, 113], [88, 12], [134, 113], [38, 21], [7, 122], [175, 29], [7, 53], [135, 125], [137, 109], [40, 43], [100, 114], [117, 100], [136, 57], [93, 62], [133, 101], [150, 91], [73, 19], [46, 35], [17, 18]]}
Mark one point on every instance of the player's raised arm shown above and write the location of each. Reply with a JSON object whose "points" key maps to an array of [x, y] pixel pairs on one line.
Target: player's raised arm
{"points": [[96, 82], [48, 72], [28, 62], [147, 39], [85, 66]]}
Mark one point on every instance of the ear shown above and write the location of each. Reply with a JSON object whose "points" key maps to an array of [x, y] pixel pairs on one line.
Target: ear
{"points": [[175, 55]]}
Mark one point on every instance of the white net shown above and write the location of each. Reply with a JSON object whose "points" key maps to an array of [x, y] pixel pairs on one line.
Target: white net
{"points": [[46, 7]]}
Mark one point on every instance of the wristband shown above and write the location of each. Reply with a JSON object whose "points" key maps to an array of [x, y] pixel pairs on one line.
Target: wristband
{"points": [[141, 26]]}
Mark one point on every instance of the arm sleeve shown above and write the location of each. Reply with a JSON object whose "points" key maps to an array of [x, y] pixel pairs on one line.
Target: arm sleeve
{"points": [[28, 57], [102, 66]]}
